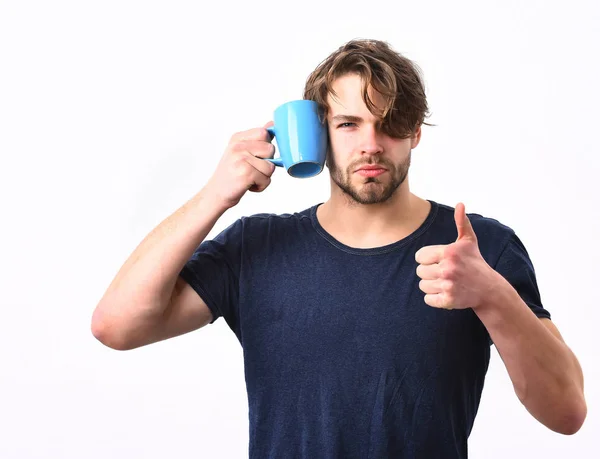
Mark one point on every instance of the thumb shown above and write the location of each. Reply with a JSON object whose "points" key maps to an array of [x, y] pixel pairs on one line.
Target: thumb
{"points": [[463, 224]]}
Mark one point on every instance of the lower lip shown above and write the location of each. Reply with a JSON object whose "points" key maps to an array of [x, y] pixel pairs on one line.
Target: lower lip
{"points": [[370, 172]]}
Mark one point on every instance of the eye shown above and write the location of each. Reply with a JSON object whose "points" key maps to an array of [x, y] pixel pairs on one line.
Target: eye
{"points": [[344, 125]]}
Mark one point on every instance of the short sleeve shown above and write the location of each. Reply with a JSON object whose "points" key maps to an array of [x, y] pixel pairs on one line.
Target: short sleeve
{"points": [[213, 272], [517, 268]]}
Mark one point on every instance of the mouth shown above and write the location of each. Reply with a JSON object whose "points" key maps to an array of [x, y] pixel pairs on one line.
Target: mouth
{"points": [[370, 171]]}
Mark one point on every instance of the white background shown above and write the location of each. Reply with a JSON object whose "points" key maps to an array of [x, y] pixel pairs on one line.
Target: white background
{"points": [[114, 113]]}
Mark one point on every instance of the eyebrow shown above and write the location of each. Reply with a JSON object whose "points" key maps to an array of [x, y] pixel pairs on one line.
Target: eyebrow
{"points": [[347, 118]]}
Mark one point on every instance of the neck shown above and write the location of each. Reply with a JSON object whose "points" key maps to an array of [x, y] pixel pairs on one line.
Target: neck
{"points": [[372, 225]]}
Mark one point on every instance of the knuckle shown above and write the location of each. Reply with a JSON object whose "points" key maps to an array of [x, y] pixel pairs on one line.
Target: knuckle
{"points": [[238, 147], [447, 269], [443, 270], [236, 137], [447, 285], [450, 253], [239, 162], [241, 169]]}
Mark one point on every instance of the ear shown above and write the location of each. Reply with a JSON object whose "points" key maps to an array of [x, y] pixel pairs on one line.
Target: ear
{"points": [[416, 138]]}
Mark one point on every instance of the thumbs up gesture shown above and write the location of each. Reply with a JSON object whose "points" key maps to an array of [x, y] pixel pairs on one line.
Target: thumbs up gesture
{"points": [[455, 276]]}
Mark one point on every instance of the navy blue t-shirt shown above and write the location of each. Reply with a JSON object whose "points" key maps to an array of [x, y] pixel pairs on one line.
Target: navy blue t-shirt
{"points": [[342, 356]]}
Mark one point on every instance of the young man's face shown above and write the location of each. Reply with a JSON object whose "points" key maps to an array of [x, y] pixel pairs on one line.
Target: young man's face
{"points": [[366, 164]]}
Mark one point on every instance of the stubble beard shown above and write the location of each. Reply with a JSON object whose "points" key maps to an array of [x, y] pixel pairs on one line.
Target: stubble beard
{"points": [[369, 190]]}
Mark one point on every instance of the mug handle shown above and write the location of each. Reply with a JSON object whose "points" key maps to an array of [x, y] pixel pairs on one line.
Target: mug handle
{"points": [[277, 161]]}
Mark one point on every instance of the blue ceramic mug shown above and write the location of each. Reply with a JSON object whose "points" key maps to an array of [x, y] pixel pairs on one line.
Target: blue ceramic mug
{"points": [[301, 138]]}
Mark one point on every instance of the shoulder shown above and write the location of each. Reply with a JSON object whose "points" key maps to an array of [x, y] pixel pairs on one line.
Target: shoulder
{"points": [[267, 222], [482, 224]]}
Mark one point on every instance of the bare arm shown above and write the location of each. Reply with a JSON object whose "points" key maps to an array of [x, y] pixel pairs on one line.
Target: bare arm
{"points": [[141, 305], [147, 301], [545, 373]]}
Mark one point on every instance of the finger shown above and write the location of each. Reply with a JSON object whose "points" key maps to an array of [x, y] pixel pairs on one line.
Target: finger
{"points": [[270, 134], [435, 300], [430, 254], [429, 272], [264, 167], [260, 184], [258, 148], [431, 286], [260, 133], [463, 224]]}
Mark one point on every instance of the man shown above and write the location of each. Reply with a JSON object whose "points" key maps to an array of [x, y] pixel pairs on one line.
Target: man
{"points": [[366, 321]]}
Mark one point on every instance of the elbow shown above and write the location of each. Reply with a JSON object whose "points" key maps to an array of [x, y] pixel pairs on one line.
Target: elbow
{"points": [[107, 333], [574, 418], [564, 413]]}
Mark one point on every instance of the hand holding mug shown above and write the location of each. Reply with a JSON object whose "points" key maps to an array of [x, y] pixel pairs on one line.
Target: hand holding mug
{"points": [[248, 160], [243, 166]]}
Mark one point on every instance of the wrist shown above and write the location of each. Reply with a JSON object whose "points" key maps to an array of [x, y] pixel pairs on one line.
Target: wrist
{"points": [[496, 292], [499, 297], [214, 200]]}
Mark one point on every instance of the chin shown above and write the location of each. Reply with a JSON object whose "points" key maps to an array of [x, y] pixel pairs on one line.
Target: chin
{"points": [[371, 190], [370, 193]]}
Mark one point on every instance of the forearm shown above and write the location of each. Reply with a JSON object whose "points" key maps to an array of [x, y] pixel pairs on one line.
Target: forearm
{"points": [[545, 373], [140, 292]]}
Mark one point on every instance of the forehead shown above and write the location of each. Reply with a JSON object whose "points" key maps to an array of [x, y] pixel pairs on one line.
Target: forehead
{"points": [[348, 98]]}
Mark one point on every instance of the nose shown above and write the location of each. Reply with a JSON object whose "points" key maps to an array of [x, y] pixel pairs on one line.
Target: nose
{"points": [[371, 140]]}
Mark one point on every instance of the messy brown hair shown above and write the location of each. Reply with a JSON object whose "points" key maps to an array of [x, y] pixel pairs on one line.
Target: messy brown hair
{"points": [[396, 78]]}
